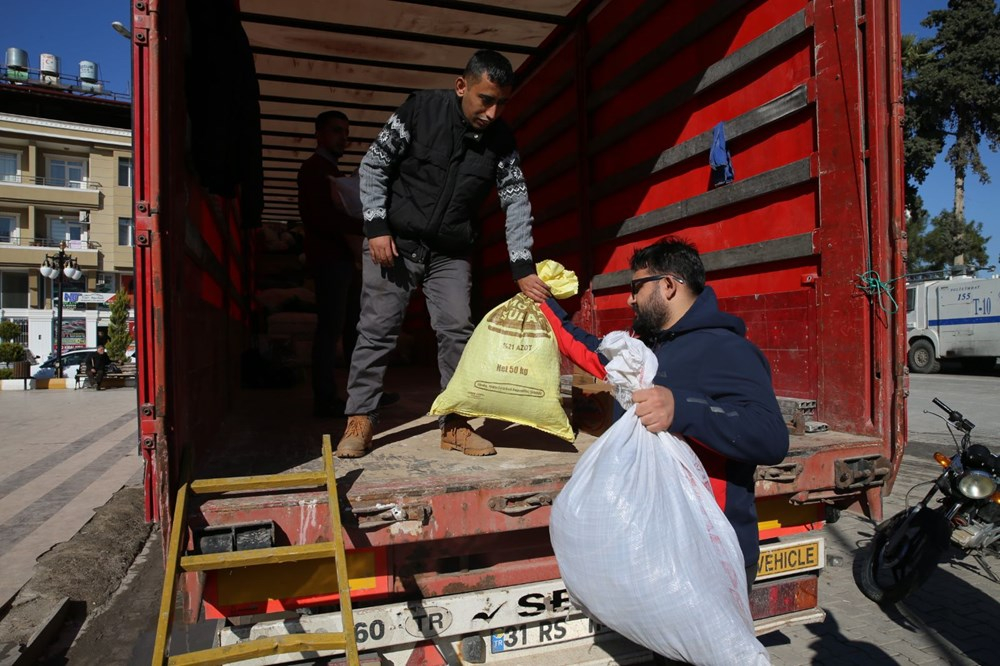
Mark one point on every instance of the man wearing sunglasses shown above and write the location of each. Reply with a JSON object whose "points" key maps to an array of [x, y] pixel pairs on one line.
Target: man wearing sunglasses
{"points": [[713, 386]]}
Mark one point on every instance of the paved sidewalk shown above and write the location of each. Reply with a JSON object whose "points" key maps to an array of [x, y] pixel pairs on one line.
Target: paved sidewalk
{"points": [[64, 454], [952, 619]]}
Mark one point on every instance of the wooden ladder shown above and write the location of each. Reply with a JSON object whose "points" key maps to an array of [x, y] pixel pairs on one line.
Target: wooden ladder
{"points": [[272, 645]]}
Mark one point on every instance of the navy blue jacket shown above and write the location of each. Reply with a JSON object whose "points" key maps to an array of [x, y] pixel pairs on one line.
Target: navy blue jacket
{"points": [[724, 402]]}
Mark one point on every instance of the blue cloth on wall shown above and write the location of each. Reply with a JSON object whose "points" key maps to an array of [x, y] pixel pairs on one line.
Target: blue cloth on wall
{"points": [[719, 158]]}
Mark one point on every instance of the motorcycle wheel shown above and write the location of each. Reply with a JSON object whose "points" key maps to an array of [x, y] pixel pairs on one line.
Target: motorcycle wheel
{"points": [[887, 577]]}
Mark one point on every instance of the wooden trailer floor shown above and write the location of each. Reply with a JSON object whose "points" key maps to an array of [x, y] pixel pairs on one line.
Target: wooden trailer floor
{"points": [[273, 431]]}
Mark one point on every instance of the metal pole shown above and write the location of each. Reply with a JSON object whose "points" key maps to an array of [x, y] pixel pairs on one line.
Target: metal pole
{"points": [[59, 324]]}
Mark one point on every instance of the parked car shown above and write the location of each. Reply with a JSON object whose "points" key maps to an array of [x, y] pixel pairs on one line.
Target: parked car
{"points": [[72, 359]]}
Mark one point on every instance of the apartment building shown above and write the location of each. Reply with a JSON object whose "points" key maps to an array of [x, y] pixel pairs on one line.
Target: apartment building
{"points": [[65, 185]]}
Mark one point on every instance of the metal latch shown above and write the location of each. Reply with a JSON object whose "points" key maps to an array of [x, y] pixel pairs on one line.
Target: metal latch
{"points": [[518, 503], [783, 473], [860, 472], [378, 515]]}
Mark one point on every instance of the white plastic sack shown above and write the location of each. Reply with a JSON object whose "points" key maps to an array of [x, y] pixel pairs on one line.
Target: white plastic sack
{"points": [[641, 543], [348, 191]]}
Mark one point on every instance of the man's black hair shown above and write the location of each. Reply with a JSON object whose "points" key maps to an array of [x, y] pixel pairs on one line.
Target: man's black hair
{"points": [[325, 117], [672, 256], [491, 63]]}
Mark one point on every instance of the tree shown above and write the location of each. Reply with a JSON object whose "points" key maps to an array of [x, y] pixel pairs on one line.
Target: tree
{"points": [[923, 134], [118, 336], [954, 93], [923, 140], [917, 220], [951, 238]]}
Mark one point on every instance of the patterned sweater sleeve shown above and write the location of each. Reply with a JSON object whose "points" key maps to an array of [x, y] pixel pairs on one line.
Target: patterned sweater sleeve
{"points": [[377, 167], [513, 193]]}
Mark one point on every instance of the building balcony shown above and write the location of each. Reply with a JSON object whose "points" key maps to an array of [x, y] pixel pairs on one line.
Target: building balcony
{"points": [[32, 251], [35, 190]]}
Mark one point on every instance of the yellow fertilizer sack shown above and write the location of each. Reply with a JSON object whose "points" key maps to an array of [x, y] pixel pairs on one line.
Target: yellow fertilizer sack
{"points": [[510, 367]]}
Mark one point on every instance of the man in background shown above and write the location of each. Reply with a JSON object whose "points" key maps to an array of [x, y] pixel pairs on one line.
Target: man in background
{"points": [[332, 247]]}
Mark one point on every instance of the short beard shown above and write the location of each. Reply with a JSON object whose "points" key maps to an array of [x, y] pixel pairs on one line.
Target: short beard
{"points": [[650, 319]]}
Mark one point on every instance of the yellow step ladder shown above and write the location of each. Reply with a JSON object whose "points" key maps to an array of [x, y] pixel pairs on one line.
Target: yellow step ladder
{"points": [[273, 645]]}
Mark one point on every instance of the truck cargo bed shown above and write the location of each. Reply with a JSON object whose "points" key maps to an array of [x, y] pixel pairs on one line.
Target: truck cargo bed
{"points": [[273, 431]]}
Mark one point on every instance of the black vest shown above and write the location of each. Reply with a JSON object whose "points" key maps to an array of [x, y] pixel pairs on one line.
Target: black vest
{"points": [[447, 172]]}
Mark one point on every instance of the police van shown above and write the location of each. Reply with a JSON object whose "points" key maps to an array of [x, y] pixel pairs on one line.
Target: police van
{"points": [[953, 318]]}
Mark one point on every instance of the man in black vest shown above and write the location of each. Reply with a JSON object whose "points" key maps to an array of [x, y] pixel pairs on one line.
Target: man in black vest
{"points": [[423, 181]]}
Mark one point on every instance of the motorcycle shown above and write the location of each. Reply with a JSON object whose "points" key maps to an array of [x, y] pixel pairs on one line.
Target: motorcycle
{"points": [[906, 547]]}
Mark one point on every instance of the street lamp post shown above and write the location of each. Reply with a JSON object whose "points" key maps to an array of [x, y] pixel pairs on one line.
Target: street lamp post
{"points": [[58, 268]]}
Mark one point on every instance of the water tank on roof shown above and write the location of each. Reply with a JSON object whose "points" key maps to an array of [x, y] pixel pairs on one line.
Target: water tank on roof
{"points": [[48, 67], [88, 71], [17, 64]]}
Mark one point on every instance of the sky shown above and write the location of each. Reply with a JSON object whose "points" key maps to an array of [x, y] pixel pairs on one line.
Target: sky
{"points": [[75, 30]]}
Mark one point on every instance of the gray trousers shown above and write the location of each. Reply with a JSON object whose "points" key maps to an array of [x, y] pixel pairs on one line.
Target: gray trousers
{"points": [[385, 293]]}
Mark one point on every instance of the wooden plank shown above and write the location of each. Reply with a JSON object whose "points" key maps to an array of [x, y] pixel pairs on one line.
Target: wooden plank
{"points": [[347, 84], [409, 75], [507, 11], [309, 42], [307, 122], [735, 192], [262, 647], [257, 557], [358, 144], [774, 38], [418, 31], [306, 105], [332, 96], [431, 23], [765, 252], [752, 120], [262, 482]]}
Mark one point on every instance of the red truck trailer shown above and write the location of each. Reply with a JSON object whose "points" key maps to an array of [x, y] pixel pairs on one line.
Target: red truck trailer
{"points": [[448, 555]]}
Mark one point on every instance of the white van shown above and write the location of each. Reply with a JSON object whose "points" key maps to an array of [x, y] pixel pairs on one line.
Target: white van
{"points": [[956, 318]]}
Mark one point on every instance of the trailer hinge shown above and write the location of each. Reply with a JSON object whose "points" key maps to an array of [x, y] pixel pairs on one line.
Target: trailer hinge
{"points": [[148, 427], [518, 503], [140, 23], [143, 224], [861, 472]]}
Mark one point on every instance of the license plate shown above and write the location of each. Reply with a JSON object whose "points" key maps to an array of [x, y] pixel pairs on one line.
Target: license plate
{"points": [[784, 559], [522, 636]]}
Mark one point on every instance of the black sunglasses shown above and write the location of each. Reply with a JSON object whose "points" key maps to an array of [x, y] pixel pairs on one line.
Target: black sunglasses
{"points": [[637, 283]]}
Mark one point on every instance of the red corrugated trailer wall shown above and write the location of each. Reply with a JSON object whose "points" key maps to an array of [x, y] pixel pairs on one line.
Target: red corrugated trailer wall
{"points": [[614, 125], [615, 129]]}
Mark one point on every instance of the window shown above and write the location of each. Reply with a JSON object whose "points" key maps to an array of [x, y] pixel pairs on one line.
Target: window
{"points": [[125, 171], [8, 228], [911, 299], [106, 283], [13, 290], [67, 173], [61, 228], [9, 166], [126, 232]]}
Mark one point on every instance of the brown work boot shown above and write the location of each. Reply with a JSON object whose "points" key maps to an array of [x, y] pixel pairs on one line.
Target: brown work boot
{"points": [[456, 435], [357, 439]]}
